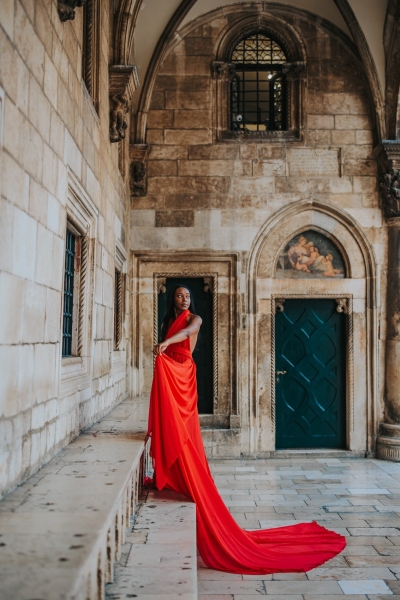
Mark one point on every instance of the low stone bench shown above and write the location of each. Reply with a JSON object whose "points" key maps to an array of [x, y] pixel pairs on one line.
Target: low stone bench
{"points": [[62, 530], [159, 557]]}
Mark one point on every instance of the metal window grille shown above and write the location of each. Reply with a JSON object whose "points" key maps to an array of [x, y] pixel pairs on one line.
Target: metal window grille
{"points": [[117, 309], [68, 293], [258, 89]]}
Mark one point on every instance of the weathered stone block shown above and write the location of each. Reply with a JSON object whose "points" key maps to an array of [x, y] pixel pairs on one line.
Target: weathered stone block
{"points": [[255, 185], [155, 136], [336, 185], [268, 168], [162, 168], [182, 83], [185, 185], [360, 167], [364, 137], [188, 100], [167, 152], [212, 152], [187, 201], [190, 65], [343, 136], [352, 122], [320, 121], [205, 167], [192, 119], [188, 136], [160, 119], [174, 218], [248, 151], [365, 184], [318, 136], [201, 46], [157, 100], [265, 151]]}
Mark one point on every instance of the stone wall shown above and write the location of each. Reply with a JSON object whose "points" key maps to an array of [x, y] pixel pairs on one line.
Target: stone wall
{"points": [[52, 137], [208, 195]]}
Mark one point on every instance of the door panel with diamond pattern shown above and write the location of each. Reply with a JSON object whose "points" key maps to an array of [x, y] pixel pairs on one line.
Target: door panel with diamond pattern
{"points": [[311, 392]]}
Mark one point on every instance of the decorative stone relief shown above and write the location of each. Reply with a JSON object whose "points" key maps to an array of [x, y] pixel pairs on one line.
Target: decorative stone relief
{"points": [[390, 193], [342, 305], [66, 9], [138, 154], [123, 81], [223, 70], [388, 154], [295, 70]]}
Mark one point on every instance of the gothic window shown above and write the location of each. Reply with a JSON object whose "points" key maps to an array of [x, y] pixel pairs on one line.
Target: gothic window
{"points": [[258, 88]]}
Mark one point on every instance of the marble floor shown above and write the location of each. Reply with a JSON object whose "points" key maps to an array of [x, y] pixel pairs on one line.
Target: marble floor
{"points": [[359, 498]]}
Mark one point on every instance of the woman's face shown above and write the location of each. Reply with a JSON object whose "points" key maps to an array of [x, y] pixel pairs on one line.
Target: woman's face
{"points": [[181, 298]]}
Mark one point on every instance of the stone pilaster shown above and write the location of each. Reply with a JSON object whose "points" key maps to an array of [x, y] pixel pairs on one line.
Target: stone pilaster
{"points": [[388, 442]]}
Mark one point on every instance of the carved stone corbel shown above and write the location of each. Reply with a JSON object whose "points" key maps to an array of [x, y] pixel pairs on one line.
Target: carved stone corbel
{"points": [[66, 9], [388, 155], [342, 305], [123, 80], [279, 305], [208, 284], [223, 71], [294, 70], [138, 154]]}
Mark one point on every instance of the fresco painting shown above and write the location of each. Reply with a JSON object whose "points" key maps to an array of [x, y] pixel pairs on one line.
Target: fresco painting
{"points": [[310, 255]]}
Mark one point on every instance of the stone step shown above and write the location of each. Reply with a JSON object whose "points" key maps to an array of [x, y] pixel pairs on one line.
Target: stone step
{"points": [[62, 530], [159, 556]]}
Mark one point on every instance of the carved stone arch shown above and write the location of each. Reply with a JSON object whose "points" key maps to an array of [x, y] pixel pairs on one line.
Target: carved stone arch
{"points": [[356, 298], [124, 26], [267, 22], [374, 86]]}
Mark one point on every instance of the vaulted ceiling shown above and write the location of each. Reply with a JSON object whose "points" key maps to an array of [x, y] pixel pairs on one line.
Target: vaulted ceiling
{"points": [[363, 21]]}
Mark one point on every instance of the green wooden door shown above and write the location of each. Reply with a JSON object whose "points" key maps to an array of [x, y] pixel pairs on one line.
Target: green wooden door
{"points": [[311, 390], [203, 354]]}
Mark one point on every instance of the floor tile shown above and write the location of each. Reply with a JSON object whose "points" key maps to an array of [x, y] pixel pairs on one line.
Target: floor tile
{"points": [[372, 586]]}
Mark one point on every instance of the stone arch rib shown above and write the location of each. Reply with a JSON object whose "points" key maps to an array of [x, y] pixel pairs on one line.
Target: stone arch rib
{"points": [[391, 40], [368, 62], [124, 26], [155, 62]]}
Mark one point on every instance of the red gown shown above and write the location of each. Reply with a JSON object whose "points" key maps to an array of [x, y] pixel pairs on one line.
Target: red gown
{"points": [[181, 465]]}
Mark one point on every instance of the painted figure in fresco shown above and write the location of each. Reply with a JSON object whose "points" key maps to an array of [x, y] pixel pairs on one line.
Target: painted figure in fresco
{"points": [[304, 256]]}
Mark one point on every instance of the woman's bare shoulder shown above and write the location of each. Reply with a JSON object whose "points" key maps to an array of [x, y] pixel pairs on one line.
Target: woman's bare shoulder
{"points": [[194, 319]]}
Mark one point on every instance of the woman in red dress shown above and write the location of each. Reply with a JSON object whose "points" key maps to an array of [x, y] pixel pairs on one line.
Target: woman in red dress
{"points": [[181, 465]]}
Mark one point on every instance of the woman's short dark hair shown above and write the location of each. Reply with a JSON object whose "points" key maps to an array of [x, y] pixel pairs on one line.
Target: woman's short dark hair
{"points": [[169, 316]]}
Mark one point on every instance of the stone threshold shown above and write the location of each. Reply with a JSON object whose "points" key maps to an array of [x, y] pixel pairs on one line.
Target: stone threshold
{"points": [[62, 530], [317, 453], [159, 556]]}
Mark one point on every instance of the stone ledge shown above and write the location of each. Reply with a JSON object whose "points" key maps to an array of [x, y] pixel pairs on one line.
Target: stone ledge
{"points": [[159, 558], [61, 531]]}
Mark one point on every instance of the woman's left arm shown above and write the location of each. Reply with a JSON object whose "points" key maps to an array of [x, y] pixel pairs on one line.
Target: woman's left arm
{"points": [[191, 328]]}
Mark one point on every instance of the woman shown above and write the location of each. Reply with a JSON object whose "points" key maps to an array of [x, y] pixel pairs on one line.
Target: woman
{"points": [[181, 465]]}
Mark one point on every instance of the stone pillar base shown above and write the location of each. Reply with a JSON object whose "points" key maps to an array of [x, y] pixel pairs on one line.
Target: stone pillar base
{"points": [[388, 442]]}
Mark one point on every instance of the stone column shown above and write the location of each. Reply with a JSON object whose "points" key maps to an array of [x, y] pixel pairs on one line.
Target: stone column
{"points": [[388, 442]]}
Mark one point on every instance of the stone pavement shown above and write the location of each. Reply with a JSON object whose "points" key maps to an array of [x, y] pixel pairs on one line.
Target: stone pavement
{"points": [[359, 498]]}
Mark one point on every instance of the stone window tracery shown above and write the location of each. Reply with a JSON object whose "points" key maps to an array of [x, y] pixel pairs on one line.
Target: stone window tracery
{"points": [[258, 88]]}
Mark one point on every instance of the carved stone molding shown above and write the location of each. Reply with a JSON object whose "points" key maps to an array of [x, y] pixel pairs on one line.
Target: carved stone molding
{"points": [[342, 305], [223, 71], [295, 70], [388, 154], [66, 9], [388, 442], [279, 307], [138, 154], [123, 81]]}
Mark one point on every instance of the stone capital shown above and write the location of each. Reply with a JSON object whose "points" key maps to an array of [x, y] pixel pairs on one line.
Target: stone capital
{"points": [[223, 71], [123, 81], [294, 70], [388, 155]]}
